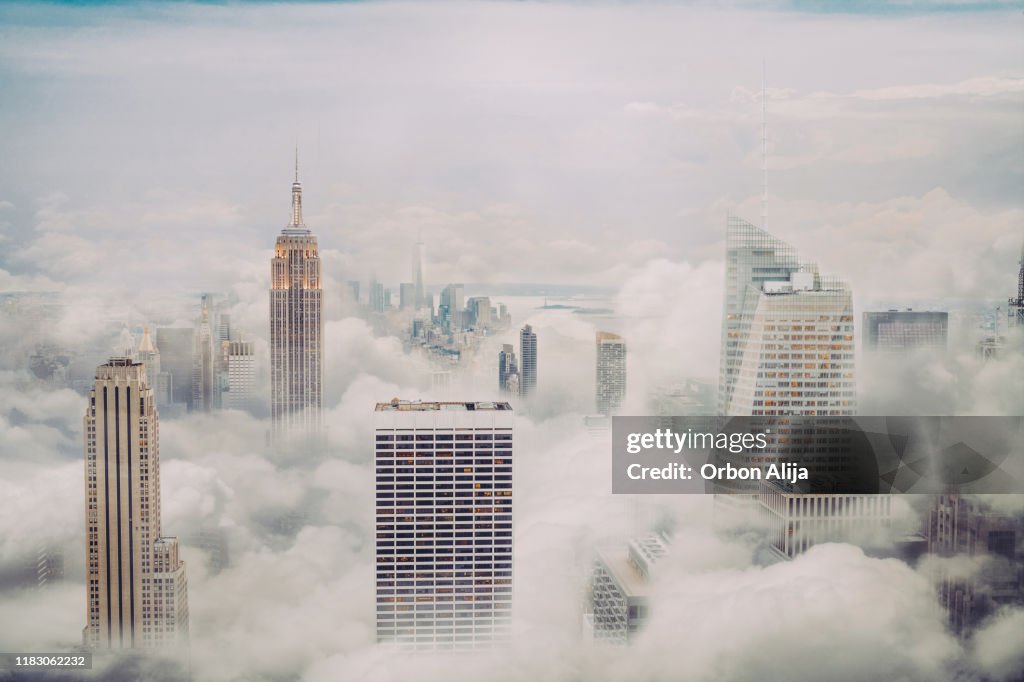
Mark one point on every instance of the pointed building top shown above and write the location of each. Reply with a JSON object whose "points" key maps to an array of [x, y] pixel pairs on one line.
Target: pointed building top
{"points": [[296, 222], [146, 345]]}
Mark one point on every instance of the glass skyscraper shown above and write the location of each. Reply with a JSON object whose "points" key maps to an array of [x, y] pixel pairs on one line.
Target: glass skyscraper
{"points": [[527, 361]]}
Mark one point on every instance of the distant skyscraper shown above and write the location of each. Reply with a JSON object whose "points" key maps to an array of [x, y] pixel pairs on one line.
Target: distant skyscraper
{"points": [[453, 300], [527, 361], [507, 369], [376, 296], [240, 359], [1015, 306], [417, 275], [611, 372], [787, 337], [137, 591], [223, 329], [204, 379], [407, 296], [443, 546], [158, 380], [176, 345], [752, 257], [296, 327], [902, 330], [478, 308]]}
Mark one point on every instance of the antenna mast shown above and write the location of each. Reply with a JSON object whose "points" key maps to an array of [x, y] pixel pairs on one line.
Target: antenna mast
{"points": [[764, 147]]}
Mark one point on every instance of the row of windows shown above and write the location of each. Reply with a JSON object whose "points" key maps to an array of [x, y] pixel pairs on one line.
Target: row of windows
{"points": [[423, 437]]}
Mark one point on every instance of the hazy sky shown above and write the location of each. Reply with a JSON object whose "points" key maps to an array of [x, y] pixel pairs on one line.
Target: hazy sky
{"points": [[147, 155], [546, 142]]}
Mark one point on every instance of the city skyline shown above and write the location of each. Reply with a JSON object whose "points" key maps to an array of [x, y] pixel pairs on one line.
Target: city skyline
{"points": [[489, 190]]}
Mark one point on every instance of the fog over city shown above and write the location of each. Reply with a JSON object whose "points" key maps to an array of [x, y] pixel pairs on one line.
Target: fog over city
{"points": [[544, 153]]}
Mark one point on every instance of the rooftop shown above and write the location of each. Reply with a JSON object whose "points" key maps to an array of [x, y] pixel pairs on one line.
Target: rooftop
{"points": [[396, 405]]}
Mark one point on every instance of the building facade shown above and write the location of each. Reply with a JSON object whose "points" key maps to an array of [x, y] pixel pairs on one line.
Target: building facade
{"points": [[610, 378], [903, 330], [799, 520], [296, 328], [527, 361], [240, 359], [204, 377], [137, 589], [619, 593], [752, 257], [958, 526], [158, 380], [508, 369], [444, 502]]}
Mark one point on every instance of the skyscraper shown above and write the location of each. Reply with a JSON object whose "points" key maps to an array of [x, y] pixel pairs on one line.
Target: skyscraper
{"points": [[611, 372], [507, 369], [240, 359], [444, 523], [903, 330], [752, 257], [787, 332], [175, 344], [1015, 306], [417, 274], [527, 361], [158, 380], [453, 300], [204, 378], [376, 296], [137, 590], [407, 296], [296, 326]]}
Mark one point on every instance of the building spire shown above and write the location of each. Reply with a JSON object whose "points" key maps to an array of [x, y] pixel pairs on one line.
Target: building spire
{"points": [[764, 146], [296, 196]]}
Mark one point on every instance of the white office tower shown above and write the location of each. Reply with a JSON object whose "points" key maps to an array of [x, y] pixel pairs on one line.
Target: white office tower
{"points": [[240, 358], [444, 524], [787, 337], [620, 589], [137, 591], [611, 372], [752, 257]]}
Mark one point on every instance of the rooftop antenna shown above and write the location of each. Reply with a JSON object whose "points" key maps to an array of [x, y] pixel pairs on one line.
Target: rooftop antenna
{"points": [[764, 147]]}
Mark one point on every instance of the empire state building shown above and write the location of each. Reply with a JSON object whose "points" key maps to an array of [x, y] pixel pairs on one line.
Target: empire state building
{"points": [[296, 327]]}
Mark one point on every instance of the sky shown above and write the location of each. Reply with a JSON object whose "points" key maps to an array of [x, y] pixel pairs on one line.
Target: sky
{"points": [[526, 142], [148, 153]]}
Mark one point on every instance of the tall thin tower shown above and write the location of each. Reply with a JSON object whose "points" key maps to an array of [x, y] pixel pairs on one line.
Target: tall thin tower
{"points": [[296, 326], [137, 592], [417, 270], [764, 146], [1015, 306]]}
